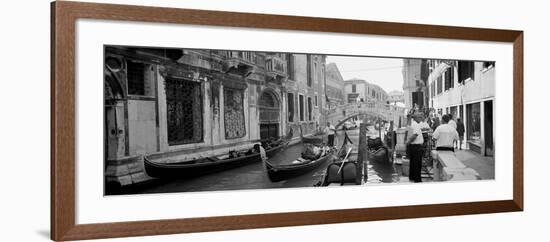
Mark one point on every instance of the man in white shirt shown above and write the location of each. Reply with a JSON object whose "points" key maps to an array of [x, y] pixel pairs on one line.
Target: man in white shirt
{"points": [[445, 135], [331, 131], [414, 147]]}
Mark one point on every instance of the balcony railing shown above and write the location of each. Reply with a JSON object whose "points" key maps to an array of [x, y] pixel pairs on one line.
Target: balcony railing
{"points": [[243, 56], [276, 65]]}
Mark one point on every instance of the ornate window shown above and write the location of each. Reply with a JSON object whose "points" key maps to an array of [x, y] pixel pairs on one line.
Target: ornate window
{"points": [[184, 111], [269, 108], [234, 113]]}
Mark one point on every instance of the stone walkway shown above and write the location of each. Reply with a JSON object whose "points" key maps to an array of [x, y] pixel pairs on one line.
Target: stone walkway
{"points": [[484, 165]]}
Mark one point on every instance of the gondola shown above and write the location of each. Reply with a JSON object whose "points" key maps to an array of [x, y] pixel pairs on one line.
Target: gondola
{"points": [[341, 171], [314, 139], [298, 167], [377, 152], [160, 167]]}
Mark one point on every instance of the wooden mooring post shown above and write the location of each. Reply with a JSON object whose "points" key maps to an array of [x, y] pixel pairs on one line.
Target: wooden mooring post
{"points": [[362, 154]]}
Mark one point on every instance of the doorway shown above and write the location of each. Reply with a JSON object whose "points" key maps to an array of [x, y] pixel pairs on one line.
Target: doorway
{"points": [[269, 116], [489, 146]]}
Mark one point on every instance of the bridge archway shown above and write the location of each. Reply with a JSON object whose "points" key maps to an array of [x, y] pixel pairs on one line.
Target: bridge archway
{"points": [[356, 115]]}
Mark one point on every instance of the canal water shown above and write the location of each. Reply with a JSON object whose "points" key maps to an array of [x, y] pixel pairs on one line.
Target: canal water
{"points": [[254, 176]]}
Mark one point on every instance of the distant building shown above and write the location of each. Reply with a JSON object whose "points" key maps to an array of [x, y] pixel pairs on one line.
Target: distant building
{"points": [[466, 89], [358, 90], [415, 87], [334, 86]]}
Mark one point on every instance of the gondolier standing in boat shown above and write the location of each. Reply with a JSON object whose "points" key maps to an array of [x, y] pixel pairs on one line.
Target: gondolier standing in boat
{"points": [[414, 147], [331, 131]]}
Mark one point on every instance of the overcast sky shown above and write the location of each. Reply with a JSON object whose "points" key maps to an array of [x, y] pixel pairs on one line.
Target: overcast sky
{"points": [[385, 72]]}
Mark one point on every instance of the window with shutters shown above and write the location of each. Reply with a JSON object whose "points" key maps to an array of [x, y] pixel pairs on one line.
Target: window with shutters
{"points": [[449, 78], [184, 111], [316, 104], [465, 70], [290, 66], [439, 84], [301, 106], [308, 70], [290, 106], [309, 109], [140, 78]]}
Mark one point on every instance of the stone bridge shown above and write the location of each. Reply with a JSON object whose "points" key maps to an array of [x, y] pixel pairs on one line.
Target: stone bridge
{"points": [[368, 110]]}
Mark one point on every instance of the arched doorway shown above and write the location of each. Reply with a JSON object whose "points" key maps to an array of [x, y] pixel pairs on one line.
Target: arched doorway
{"points": [[269, 115]]}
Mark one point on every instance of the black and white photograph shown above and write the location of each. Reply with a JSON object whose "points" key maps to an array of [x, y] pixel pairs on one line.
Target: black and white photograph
{"points": [[195, 120]]}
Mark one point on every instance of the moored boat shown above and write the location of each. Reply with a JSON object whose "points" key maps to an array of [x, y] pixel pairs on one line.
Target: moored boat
{"points": [[314, 139], [343, 169], [300, 166], [377, 152], [170, 167]]}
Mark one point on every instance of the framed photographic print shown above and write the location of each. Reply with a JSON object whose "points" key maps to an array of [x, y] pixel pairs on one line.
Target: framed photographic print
{"points": [[174, 120]]}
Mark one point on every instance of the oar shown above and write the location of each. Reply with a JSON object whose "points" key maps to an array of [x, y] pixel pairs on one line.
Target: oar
{"points": [[344, 161]]}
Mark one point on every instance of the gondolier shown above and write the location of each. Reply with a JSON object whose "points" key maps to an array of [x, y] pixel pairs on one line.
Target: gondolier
{"points": [[331, 131], [414, 147]]}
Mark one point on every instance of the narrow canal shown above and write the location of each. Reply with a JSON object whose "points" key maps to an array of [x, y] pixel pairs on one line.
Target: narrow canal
{"points": [[254, 176]]}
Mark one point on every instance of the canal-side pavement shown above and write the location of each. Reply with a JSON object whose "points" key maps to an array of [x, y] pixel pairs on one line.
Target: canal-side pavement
{"points": [[483, 165]]}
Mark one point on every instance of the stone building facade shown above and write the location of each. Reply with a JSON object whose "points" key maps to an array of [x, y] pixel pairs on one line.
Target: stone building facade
{"points": [[415, 87], [466, 89], [304, 94], [358, 90], [202, 103], [335, 85]]}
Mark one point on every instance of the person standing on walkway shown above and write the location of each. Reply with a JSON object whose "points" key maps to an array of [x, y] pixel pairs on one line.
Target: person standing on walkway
{"points": [[451, 121], [435, 123], [445, 135], [414, 147], [460, 130], [331, 131]]}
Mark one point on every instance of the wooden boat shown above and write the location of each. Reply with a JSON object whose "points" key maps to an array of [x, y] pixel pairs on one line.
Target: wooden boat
{"points": [[314, 139], [301, 165], [162, 167], [298, 167], [377, 152], [343, 170]]}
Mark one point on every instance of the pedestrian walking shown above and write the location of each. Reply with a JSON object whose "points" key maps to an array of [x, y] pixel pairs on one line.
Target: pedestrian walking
{"points": [[435, 123], [445, 135], [451, 121], [414, 147], [460, 130], [331, 131]]}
